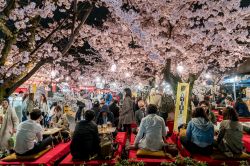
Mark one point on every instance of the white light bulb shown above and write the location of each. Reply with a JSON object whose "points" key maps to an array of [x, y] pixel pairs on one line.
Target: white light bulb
{"points": [[113, 68], [127, 74], [180, 68], [97, 79], [53, 73], [208, 75]]}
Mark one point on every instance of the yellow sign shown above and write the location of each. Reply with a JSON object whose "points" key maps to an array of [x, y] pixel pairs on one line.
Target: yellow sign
{"points": [[34, 88], [181, 106]]}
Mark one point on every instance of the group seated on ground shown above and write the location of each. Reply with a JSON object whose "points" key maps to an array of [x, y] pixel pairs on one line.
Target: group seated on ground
{"points": [[200, 136]]}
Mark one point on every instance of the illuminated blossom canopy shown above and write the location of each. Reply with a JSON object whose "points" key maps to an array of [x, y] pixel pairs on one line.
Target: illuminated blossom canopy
{"points": [[135, 35]]}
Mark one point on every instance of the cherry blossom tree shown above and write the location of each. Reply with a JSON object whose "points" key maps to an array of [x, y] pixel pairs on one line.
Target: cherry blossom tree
{"points": [[141, 37], [30, 32]]}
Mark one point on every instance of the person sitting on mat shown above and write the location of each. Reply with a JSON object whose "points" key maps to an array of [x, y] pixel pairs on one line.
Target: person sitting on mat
{"points": [[206, 106], [105, 116], [85, 141], [200, 133], [60, 120], [151, 131], [29, 138], [241, 108], [230, 133]]}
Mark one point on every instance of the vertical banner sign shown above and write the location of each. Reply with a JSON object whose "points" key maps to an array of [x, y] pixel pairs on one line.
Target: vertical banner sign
{"points": [[181, 106], [34, 88]]}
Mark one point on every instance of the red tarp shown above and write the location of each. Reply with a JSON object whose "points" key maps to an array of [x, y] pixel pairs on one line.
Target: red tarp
{"points": [[208, 159], [120, 139], [147, 161], [47, 159]]}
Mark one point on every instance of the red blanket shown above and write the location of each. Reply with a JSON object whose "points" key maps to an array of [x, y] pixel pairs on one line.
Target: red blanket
{"points": [[208, 159], [47, 159], [246, 140], [147, 161], [241, 119], [120, 139]]}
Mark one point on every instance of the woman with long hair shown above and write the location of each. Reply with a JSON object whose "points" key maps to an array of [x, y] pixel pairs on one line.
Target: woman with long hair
{"points": [[200, 133], [230, 133], [127, 113]]}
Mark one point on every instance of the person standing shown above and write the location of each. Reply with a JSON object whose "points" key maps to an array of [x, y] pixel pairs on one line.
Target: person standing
{"points": [[17, 105], [24, 107], [30, 103], [127, 113], [44, 109], [115, 110], [8, 124]]}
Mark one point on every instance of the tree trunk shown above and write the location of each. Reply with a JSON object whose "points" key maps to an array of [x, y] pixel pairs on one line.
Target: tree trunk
{"points": [[7, 88]]}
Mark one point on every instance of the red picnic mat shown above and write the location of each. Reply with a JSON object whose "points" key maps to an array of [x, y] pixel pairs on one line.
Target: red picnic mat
{"points": [[47, 159], [120, 139]]}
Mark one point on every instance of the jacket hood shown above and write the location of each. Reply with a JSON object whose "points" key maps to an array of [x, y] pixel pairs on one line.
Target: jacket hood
{"points": [[202, 124]]}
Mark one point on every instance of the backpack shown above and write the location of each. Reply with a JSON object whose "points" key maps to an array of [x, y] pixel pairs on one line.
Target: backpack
{"points": [[167, 104]]}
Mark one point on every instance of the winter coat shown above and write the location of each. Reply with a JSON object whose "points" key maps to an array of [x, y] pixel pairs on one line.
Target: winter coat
{"points": [[85, 140], [127, 113], [230, 137], [10, 122], [115, 110], [200, 132]]}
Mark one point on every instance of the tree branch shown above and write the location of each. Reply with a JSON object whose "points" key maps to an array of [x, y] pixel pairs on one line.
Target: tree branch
{"points": [[76, 32], [6, 49], [5, 29], [48, 37], [74, 16], [31, 40], [9, 7], [25, 76]]}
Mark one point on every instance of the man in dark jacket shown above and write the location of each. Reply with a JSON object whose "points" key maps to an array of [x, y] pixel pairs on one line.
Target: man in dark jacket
{"points": [[85, 141], [105, 116], [115, 110]]}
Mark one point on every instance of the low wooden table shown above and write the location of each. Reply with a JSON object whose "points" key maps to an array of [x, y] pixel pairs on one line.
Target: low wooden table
{"points": [[52, 131], [108, 131]]}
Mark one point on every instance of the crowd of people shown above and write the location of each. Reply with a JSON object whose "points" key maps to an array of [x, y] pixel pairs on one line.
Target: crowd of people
{"points": [[148, 114]]}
